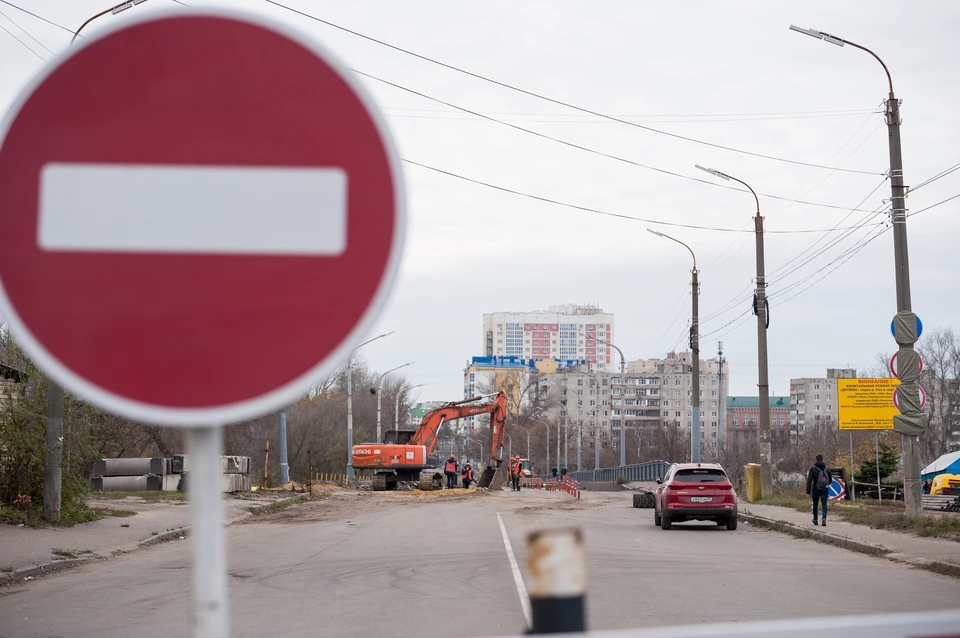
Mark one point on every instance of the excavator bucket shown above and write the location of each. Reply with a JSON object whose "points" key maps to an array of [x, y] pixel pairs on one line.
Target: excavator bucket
{"points": [[486, 479]]}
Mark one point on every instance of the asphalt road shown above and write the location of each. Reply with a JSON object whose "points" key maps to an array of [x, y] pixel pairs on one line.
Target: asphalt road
{"points": [[396, 565]]}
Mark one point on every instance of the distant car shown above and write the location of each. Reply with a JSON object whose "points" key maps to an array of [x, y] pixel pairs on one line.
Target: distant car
{"points": [[695, 492]]}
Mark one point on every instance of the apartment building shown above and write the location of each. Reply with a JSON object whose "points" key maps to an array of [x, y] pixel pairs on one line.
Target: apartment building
{"points": [[561, 333], [743, 422], [675, 373], [813, 400]]}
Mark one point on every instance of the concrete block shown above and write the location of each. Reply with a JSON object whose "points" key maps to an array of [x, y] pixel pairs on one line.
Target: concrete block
{"points": [[171, 482], [235, 464], [228, 464], [143, 483], [228, 482], [129, 467]]}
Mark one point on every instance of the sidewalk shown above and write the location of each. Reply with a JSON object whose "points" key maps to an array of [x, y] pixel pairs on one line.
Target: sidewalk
{"points": [[932, 553], [26, 552]]}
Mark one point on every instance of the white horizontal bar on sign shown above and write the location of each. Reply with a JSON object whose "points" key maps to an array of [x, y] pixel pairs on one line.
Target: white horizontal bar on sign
{"points": [[146, 208]]}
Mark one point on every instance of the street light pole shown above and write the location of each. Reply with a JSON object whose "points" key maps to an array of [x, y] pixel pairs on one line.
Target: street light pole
{"points": [[350, 474], [396, 406], [379, 391], [762, 310], [911, 422], [694, 347], [623, 411]]}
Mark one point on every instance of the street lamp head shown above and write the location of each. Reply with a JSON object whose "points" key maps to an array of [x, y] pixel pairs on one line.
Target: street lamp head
{"points": [[713, 172], [655, 232], [820, 35]]}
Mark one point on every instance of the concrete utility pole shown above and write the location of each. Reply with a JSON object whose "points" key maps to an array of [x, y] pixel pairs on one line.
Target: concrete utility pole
{"points": [[722, 422], [694, 348], [350, 473], [761, 308], [911, 422], [379, 392], [53, 471]]}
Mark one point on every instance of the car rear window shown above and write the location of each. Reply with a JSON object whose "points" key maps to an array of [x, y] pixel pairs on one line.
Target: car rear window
{"points": [[700, 475]]}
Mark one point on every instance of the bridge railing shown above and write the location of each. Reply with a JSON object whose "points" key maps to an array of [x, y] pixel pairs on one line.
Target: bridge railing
{"points": [[650, 471]]}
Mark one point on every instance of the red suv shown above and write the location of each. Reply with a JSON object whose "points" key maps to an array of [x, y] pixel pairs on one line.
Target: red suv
{"points": [[695, 491]]}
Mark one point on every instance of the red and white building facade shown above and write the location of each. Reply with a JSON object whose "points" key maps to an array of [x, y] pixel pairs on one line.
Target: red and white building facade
{"points": [[561, 333]]}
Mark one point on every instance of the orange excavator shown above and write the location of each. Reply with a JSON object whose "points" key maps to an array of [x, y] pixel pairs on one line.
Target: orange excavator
{"points": [[404, 454]]}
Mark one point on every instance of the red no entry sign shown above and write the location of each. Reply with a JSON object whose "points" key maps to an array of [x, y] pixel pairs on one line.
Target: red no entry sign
{"points": [[200, 215]]}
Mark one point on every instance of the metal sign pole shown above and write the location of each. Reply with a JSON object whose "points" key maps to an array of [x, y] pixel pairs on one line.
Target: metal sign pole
{"points": [[210, 602]]}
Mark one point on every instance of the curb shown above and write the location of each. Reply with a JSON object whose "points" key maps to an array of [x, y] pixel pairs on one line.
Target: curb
{"points": [[33, 571], [845, 542]]}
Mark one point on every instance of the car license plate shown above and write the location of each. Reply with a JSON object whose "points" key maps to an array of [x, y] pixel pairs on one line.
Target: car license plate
{"points": [[701, 499]]}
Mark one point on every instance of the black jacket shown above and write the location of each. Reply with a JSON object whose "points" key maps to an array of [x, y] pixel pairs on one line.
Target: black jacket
{"points": [[813, 475]]}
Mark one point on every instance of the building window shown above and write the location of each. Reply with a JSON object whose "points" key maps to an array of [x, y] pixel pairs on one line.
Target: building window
{"points": [[676, 382], [678, 413], [736, 419]]}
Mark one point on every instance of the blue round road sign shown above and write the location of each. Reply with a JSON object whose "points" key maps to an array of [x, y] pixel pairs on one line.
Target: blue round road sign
{"points": [[893, 329]]}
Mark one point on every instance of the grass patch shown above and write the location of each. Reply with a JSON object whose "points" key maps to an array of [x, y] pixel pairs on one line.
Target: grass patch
{"points": [[146, 495], [889, 518], [6, 569], [32, 516], [279, 505], [888, 515], [64, 553]]}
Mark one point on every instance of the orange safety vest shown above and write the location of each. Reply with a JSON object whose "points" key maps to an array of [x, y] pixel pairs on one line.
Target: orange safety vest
{"points": [[468, 474], [450, 467], [517, 468]]}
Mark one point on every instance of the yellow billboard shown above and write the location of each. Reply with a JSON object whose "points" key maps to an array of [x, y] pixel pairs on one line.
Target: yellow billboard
{"points": [[866, 404]]}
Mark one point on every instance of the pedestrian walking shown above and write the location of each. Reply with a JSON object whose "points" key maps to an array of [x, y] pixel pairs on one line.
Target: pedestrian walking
{"points": [[554, 472], [819, 480], [466, 477], [450, 470]]}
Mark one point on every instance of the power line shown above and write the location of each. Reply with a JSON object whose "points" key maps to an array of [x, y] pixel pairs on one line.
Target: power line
{"points": [[533, 114], [660, 326], [811, 246], [934, 205], [560, 102], [581, 147], [25, 31], [939, 175], [22, 42], [458, 118], [596, 210], [59, 26]]}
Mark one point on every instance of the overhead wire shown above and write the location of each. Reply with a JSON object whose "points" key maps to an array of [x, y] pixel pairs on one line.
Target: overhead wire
{"points": [[654, 115], [599, 211], [939, 175], [781, 267], [660, 326], [458, 118], [25, 45], [38, 17], [26, 32], [933, 205], [556, 101]]}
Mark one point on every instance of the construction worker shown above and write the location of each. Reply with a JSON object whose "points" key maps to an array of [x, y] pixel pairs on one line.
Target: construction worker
{"points": [[450, 469], [466, 476], [516, 471]]}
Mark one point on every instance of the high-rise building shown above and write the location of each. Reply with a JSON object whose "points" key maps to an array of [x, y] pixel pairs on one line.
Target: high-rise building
{"points": [[560, 333], [814, 400]]}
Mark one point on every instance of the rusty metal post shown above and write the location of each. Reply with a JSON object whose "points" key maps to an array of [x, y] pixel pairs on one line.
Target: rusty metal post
{"points": [[266, 462], [310, 470], [557, 564]]}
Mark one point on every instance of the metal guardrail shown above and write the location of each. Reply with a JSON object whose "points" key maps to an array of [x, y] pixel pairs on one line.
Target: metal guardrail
{"points": [[649, 471]]}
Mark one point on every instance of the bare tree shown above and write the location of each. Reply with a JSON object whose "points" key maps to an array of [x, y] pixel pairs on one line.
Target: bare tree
{"points": [[940, 350]]}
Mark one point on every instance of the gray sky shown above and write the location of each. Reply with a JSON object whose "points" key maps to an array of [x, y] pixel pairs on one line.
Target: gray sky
{"points": [[683, 68]]}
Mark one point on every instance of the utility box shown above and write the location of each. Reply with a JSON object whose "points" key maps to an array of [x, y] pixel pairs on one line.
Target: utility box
{"points": [[752, 470]]}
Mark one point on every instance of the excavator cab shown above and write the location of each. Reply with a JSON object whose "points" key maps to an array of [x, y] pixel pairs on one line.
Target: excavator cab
{"points": [[398, 437]]}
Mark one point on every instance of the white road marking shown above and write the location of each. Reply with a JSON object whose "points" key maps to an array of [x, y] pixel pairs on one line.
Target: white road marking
{"points": [[147, 208], [517, 577]]}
